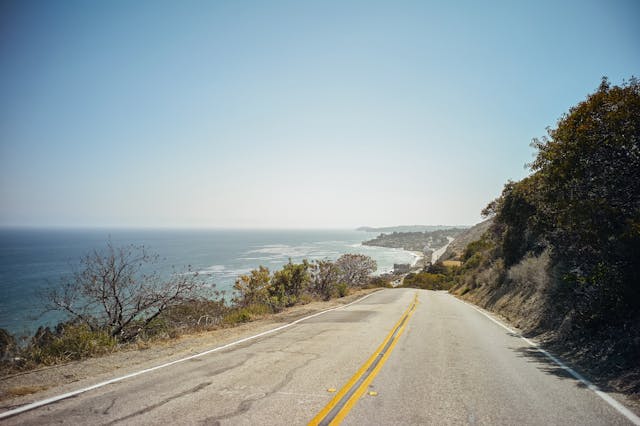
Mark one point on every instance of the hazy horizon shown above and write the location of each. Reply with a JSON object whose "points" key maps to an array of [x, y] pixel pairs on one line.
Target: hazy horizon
{"points": [[213, 228], [287, 115]]}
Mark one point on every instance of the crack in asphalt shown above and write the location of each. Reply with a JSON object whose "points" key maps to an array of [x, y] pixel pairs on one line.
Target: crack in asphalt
{"points": [[246, 404], [109, 407], [164, 401], [213, 373], [231, 367]]}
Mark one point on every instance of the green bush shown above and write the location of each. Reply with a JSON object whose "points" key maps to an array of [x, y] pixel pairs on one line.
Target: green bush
{"points": [[476, 247], [238, 316], [437, 268], [342, 289], [288, 284], [74, 341], [473, 262], [253, 287], [305, 299], [246, 314], [428, 281]]}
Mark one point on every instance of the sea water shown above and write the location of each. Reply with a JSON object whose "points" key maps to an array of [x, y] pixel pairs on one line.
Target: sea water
{"points": [[34, 260]]}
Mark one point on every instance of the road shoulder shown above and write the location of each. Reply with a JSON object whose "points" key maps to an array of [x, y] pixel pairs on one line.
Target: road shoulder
{"points": [[27, 387]]}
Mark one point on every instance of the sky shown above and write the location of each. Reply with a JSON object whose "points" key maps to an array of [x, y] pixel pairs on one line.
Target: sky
{"points": [[273, 114]]}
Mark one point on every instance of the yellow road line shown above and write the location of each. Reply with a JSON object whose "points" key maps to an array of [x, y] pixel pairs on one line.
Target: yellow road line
{"points": [[364, 376]]}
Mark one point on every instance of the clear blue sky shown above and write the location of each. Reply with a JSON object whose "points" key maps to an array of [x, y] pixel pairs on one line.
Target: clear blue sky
{"points": [[287, 114]]}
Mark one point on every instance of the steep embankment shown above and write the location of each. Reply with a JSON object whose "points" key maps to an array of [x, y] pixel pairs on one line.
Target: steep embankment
{"points": [[560, 258], [456, 248], [531, 295]]}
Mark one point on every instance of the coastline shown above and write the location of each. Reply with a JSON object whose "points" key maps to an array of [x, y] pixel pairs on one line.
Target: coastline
{"points": [[418, 261], [437, 253], [37, 260], [420, 258]]}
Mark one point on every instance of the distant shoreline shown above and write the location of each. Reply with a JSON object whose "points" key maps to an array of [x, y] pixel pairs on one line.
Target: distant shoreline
{"points": [[36, 261], [437, 253], [420, 256]]}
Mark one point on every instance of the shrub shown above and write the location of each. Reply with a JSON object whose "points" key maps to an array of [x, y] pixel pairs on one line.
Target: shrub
{"points": [[356, 268], [324, 277], [237, 316], [376, 282], [246, 313], [288, 284], [252, 288], [437, 268], [428, 281], [342, 289], [305, 299], [72, 342], [193, 314], [476, 247], [531, 271]]}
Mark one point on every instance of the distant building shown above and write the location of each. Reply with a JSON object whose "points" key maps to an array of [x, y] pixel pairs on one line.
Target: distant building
{"points": [[401, 268]]}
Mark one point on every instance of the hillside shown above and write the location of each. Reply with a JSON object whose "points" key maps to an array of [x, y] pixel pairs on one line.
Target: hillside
{"points": [[407, 228], [559, 257], [415, 241], [458, 245]]}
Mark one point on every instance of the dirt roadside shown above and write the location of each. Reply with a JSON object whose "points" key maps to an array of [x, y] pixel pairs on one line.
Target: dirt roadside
{"points": [[24, 388]]}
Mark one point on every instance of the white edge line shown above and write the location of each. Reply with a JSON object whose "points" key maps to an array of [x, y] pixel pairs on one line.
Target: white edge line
{"points": [[57, 398], [603, 395]]}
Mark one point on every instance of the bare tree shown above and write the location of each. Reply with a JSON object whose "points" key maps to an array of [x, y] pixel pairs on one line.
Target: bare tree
{"points": [[118, 290], [356, 268]]}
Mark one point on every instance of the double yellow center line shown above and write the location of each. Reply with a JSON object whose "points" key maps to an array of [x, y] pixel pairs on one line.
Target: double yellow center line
{"points": [[347, 397]]}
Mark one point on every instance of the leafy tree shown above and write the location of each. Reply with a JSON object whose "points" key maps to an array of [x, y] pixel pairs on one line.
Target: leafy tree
{"points": [[324, 277], [583, 201], [252, 288], [356, 268], [437, 268], [516, 220], [289, 282], [588, 169], [476, 247], [112, 291]]}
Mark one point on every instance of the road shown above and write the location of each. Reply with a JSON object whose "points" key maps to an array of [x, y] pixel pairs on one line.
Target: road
{"points": [[446, 363]]}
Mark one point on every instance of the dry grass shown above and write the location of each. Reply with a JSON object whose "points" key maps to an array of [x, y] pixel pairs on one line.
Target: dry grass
{"points": [[25, 390], [127, 359], [450, 263]]}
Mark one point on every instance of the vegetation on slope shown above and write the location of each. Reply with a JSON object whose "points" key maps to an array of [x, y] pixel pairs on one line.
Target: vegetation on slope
{"points": [[435, 276], [564, 244], [457, 246]]}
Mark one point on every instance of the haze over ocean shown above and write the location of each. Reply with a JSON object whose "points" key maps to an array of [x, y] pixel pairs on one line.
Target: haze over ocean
{"points": [[33, 259]]}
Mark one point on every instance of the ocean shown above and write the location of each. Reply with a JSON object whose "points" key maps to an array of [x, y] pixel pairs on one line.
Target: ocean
{"points": [[32, 260]]}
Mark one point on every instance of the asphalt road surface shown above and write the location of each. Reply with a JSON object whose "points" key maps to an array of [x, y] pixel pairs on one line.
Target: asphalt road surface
{"points": [[415, 357]]}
